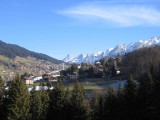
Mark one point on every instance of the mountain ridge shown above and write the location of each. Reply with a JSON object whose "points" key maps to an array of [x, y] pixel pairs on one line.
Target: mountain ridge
{"points": [[16, 59], [120, 49], [13, 50]]}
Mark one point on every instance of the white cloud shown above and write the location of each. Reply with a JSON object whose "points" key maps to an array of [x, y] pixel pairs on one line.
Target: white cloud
{"points": [[117, 15]]}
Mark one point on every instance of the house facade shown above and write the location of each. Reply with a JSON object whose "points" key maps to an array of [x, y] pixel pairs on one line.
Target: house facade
{"points": [[27, 81]]}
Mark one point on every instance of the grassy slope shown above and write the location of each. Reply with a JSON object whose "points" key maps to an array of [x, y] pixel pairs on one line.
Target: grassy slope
{"points": [[28, 60], [27, 64], [6, 61]]}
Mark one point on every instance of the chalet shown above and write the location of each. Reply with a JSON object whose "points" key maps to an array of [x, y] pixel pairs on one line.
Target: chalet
{"points": [[27, 80], [48, 77]]}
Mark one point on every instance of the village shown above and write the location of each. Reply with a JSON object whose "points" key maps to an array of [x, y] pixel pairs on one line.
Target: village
{"points": [[76, 72], [84, 72]]}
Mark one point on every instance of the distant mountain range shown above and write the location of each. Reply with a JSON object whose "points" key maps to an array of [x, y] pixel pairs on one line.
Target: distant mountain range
{"points": [[11, 51], [120, 49]]}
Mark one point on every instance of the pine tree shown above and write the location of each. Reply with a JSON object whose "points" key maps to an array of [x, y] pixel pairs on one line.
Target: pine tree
{"points": [[1, 98], [18, 101], [57, 99], [156, 98], [67, 96], [78, 95], [45, 103], [111, 105], [146, 84], [36, 105], [145, 97], [130, 96], [130, 88], [39, 104], [96, 105], [1, 90], [120, 98], [67, 105], [78, 103]]}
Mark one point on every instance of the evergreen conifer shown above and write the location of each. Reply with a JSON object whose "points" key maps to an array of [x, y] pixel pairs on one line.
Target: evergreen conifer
{"points": [[18, 101]]}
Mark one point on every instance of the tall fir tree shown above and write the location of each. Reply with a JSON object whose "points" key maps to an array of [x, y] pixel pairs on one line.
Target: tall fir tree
{"points": [[130, 88], [145, 97], [1, 89], [2, 93], [111, 105], [78, 103], [45, 103], [156, 98], [18, 101], [120, 100], [39, 104], [146, 84], [36, 105], [130, 96], [57, 99], [67, 105], [96, 106]]}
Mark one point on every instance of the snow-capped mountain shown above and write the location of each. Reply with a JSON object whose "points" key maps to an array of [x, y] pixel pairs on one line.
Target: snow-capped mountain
{"points": [[120, 49], [69, 58], [140, 44]]}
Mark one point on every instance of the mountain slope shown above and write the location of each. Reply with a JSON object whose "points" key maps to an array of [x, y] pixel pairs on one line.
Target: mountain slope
{"points": [[11, 51], [9, 67], [15, 59], [112, 52], [141, 61]]}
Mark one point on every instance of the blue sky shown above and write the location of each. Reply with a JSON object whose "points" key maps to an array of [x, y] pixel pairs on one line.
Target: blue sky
{"points": [[61, 27]]}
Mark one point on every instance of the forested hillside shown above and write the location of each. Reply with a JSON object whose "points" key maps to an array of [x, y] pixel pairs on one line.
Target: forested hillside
{"points": [[11, 51], [141, 61]]}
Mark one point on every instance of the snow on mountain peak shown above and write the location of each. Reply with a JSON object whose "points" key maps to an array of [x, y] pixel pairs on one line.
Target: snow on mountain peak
{"points": [[98, 53], [154, 40], [120, 49], [134, 46], [69, 58]]}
